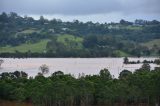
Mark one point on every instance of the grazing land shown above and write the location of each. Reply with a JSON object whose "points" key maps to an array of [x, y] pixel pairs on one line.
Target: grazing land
{"points": [[38, 47], [27, 37]]}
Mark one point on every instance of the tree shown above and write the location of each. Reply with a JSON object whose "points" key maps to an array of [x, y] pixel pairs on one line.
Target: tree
{"points": [[42, 20], [3, 17], [44, 69], [90, 41], [17, 74], [123, 22], [126, 60], [124, 74], [105, 74], [157, 61], [57, 73], [24, 75], [1, 62], [146, 67], [4, 75]]}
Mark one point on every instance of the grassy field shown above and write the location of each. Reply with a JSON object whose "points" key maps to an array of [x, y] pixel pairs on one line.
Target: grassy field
{"points": [[150, 44], [70, 41], [120, 53], [38, 47], [132, 27], [28, 31]]}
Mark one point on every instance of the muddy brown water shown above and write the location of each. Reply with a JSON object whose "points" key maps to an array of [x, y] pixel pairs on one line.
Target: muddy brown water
{"points": [[74, 66]]}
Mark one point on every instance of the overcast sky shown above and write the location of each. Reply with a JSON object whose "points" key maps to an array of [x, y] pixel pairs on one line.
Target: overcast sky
{"points": [[85, 10]]}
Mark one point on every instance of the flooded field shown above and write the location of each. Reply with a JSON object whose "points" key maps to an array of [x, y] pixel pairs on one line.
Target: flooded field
{"points": [[73, 66]]}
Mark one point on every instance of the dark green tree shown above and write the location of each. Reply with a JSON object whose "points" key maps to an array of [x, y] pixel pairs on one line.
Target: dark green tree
{"points": [[124, 74], [105, 74]]}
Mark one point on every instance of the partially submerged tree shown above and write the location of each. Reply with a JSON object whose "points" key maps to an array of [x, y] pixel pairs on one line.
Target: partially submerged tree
{"points": [[157, 61], [146, 67], [126, 60], [44, 69], [1, 62]]}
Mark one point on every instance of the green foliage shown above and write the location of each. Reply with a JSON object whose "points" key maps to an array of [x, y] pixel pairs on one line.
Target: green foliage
{"points": [[28, 31], [61, 89], [120, 53], [105, 74], [124, 74], [157, 61], [38, 47], [76, 39], [70, 41], [146, 67], [152, 43]]}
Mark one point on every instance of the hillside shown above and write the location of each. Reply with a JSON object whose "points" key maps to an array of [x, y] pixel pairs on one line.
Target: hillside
{"points": [[153, 43], [20, 35], [38, 47]]}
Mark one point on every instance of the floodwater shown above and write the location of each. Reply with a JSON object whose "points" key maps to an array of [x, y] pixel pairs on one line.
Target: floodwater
{"points": [[74, 66]]}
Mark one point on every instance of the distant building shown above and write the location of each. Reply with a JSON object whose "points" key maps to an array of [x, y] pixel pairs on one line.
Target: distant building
{"points": [[64, 29], [113, 27], [51, 30], [46, 23]]}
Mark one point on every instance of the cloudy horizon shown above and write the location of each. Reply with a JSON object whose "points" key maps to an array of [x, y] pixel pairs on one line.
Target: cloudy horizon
{"points": [[88, 10]]}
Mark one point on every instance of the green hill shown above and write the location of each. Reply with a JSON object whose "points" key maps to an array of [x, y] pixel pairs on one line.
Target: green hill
{"points": [[77, 39], [152, 43], [70, 41], [38, 47]]}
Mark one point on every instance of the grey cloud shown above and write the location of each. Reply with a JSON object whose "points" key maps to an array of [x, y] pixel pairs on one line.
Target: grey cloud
{"points": [[80, 7], [85, 10]]}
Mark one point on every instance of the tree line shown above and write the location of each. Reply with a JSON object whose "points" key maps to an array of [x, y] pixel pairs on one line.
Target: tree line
{"points": [[141, 87], [126, 61]]}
